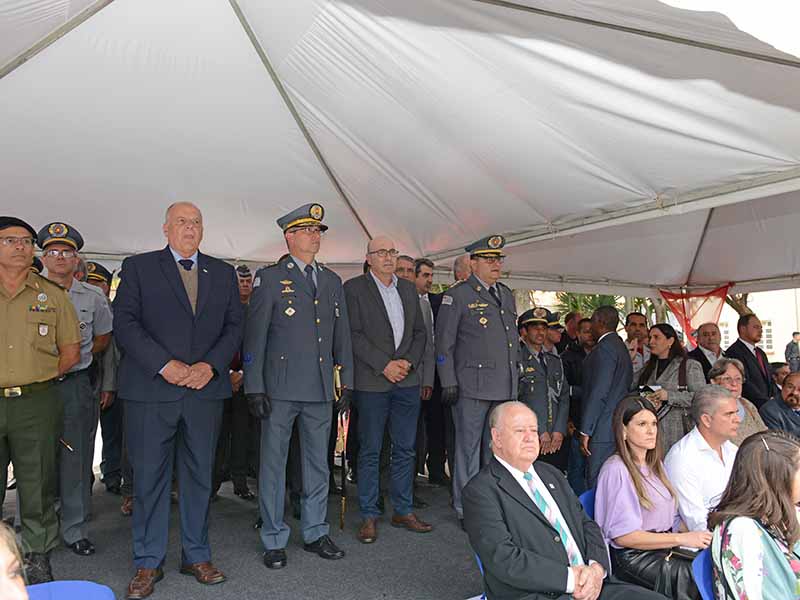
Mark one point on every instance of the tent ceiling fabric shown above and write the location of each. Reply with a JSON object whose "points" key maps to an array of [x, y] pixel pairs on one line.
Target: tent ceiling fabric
{"points": [[441, 120]]}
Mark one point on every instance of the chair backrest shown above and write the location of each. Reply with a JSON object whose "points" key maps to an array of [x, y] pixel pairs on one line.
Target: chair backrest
{"points": [[703, 574], [587, 501], [480, 568], [69, 590]]}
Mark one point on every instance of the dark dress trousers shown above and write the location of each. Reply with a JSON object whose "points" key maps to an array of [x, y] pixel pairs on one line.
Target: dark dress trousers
{"points": [[758, 385], [607, 378], [378, 400], [522, 554], [153, 324]]}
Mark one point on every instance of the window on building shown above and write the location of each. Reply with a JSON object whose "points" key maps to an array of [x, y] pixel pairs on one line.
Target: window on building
{"points": [[726, 335], [766, 337]]}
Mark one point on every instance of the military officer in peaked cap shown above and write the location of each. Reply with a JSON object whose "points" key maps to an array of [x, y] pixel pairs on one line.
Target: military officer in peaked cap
{"points": [[39, 342], [542, 386], [115, 468], [476, 354], [297, 331], [60, 244]]}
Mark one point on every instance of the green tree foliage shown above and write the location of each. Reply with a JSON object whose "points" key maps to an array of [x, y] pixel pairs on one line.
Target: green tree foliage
{"points": [[585, 303]]}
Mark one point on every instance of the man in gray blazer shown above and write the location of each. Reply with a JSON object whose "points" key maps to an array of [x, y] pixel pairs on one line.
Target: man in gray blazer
{"points": [[297, 332], [388, 334], [784, 412]]}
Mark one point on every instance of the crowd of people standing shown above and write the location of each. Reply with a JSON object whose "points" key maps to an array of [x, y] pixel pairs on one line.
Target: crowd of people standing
{"points": [[197, 359]]}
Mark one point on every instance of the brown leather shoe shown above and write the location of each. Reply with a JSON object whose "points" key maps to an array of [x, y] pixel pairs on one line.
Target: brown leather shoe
{"points": [[205, 573], [368, 532], [143, 583], [411, 522], [127, 506]]}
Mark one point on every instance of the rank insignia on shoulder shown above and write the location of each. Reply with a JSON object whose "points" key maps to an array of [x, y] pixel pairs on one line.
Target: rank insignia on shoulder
{"points": [[447, 300]]}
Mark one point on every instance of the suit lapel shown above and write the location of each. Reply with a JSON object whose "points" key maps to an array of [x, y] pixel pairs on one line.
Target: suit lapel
{"points": [[298, 277], [203, 282], [373, 288], [170, 269], [511, 486]]}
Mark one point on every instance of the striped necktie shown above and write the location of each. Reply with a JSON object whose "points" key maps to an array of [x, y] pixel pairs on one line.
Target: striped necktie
{"points": [[573, 553]]}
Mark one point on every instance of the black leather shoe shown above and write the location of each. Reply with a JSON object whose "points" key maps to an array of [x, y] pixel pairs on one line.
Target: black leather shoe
{"points": [[275, 559], [243, 492], [82, 547], [37, 568], [325, 548], [259, 523]]}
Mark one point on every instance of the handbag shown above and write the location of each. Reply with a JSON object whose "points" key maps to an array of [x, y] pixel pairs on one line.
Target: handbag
{"points": [[664, 571]]}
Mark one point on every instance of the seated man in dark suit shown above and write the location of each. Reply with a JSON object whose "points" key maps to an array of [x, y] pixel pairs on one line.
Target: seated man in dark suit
{"points": [[708, 349], [528, 527], [784, 412]]}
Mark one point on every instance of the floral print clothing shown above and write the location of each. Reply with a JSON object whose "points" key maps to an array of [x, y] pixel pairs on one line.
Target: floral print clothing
{"points": [[754, 564]]}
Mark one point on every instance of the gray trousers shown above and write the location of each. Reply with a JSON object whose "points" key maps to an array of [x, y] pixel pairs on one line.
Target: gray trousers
{"points": [[471, 421], [313, 426], [75, 468]]}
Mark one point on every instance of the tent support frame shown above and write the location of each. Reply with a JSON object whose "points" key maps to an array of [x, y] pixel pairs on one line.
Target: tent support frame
{"points": [[295, 114], [786, 62], [53, 36]]}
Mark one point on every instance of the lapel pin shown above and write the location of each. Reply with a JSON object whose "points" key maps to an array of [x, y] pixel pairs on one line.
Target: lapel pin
{"points": [[552, 487], [204, 271]]}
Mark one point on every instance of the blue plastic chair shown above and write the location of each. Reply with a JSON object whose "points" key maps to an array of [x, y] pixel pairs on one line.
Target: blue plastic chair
{"points": [[480, 568], [69, 590], [703, 574], [587, 500]]}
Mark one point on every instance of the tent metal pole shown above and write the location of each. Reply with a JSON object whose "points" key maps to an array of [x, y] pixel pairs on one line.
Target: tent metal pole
{"points": [[675, 39], [295, 114], [53, 36], [706, 198], [699, 247]]}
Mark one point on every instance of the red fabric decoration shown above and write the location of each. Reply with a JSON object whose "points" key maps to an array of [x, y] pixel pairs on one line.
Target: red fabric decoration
{"points": [[692, 310]]}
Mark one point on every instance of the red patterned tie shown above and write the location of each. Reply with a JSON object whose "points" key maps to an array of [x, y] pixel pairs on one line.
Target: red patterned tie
{"points": [[762, 364]]}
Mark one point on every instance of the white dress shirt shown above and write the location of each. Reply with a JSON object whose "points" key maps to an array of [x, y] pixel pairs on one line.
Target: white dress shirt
{"points": [[750, 347], [520, 477], [699, 476], [394, 307], [712, 358]]}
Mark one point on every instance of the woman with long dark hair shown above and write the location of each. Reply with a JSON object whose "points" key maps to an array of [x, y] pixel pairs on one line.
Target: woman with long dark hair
{"points": [[675, 378], [756, 545], [636, 508]]}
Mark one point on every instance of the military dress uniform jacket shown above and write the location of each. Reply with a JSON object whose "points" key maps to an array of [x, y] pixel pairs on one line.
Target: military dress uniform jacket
{"points": [[477, 341], [291, 335], [546, 393]]}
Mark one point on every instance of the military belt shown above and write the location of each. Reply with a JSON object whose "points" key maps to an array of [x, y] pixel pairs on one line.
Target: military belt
{"points": [[22, 390]]}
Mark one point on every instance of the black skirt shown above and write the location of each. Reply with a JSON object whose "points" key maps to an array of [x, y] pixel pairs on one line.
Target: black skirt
{"points": [[659, 570]]}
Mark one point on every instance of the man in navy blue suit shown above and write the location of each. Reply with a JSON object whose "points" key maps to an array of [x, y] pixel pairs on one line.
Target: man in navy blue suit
{"points": [[607, 378], [178, 322]]}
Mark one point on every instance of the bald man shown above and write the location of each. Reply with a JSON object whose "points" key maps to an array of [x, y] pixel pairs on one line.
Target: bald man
{"points": [[388, 335], [178, 322], [528, 527]]}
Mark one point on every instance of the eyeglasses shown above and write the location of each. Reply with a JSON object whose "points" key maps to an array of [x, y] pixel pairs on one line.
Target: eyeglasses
{"points": [[313, 230], [25, 242], [383, 253], [64, 253], [493, 259], [731, 380]]}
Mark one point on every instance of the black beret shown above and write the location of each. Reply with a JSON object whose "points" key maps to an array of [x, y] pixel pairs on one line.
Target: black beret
{"points": [[6, 222]]}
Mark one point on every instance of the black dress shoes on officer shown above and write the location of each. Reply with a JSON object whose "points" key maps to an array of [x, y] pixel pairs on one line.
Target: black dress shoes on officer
{"points": [[37, 568], [275, 559], [243, 491], [82, 547], [325, 548]]}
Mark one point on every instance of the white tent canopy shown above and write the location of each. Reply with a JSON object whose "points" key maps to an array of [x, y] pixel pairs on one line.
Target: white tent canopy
{"points": [[618, 145]]}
